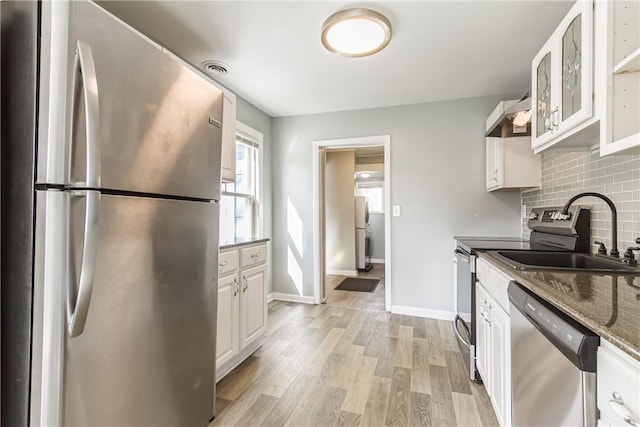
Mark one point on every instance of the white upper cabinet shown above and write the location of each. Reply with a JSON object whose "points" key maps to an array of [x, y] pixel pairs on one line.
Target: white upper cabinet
{"points": [[228, 171], [562, 83], [618, 35], [511, 164]]}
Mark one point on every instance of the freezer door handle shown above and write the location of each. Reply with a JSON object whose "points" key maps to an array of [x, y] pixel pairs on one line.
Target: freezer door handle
{"points": [[85, 77], [78, 302]]}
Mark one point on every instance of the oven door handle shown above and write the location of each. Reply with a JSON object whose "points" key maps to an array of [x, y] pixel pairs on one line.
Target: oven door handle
{"points": [[458, 320], [462, 255]]}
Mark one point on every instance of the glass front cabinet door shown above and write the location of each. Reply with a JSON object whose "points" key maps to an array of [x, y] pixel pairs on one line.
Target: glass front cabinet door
{"points": [[562, 75]]}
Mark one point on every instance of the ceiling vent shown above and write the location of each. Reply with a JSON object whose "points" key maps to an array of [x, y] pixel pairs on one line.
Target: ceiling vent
{"points": [[216, 68]]}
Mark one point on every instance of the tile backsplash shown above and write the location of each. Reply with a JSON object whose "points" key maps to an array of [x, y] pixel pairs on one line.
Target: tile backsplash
{"points": [[617, 177]]}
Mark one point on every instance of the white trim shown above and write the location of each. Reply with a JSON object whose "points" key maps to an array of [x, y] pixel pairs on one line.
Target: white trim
{"points": [[252, 133], [366, 141], [376, 261], [349, 273], [423, 312], [277, 296]]}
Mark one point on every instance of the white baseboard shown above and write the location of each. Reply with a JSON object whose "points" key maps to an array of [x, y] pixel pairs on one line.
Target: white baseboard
{"points": [[423, 312], [376, 261], [348, 273], [289, 298]]}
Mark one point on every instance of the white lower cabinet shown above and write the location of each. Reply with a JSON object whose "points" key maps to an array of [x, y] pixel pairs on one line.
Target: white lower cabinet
{"points": [[500, 365], [242, 305], [483, 335], [252, 304], [618, 387], [493, 342], [228, 319]]}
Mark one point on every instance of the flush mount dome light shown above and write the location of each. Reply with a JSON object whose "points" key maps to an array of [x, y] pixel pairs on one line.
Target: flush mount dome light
{"points": [[356, 32]]}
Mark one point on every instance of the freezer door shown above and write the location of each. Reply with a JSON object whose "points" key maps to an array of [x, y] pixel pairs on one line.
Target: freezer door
{"points": [[139, 120], [145, 352]]}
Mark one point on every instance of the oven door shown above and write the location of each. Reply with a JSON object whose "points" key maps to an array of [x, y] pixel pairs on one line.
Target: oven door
{"points": [[464, 264]]}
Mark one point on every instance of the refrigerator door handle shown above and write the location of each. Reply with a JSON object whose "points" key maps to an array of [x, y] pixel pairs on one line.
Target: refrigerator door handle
{"points": [[78, 308], [85, 75]]}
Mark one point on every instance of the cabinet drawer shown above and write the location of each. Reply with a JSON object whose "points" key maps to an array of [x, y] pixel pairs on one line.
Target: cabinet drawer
{"points": [[227, 262], [253, 255], [498, 283], [618, 374], [482, 272]]}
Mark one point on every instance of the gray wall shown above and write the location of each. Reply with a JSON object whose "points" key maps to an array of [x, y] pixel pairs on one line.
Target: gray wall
{"points": [[340, 212], [376, 228], [617, 177], [260, 121], [437, 177]]}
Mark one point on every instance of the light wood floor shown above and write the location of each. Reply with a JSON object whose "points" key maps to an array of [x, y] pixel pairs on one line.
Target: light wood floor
{"points": [[366, 300], [324, 365]]}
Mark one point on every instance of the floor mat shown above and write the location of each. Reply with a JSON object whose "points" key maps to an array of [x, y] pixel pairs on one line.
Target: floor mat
{"points": [[357, 284]]}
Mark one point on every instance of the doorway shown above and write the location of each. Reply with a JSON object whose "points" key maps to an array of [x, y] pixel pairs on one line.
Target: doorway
{"points": [[370, 178]]}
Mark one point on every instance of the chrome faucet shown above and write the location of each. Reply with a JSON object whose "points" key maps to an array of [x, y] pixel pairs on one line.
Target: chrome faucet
{"points": [[614, 218]]}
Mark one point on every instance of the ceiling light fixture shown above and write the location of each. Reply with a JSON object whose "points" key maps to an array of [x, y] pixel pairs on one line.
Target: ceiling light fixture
{"points": [[356, 32]]}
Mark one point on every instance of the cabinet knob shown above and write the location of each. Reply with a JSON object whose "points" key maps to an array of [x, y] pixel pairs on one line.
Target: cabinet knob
{"points": [[617, 404]]}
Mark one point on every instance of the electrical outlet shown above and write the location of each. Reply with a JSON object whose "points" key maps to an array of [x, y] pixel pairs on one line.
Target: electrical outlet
{"points": [[396, 210]]}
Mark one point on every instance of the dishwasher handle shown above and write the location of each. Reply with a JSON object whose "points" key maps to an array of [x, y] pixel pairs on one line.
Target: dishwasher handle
{"points": [[460, 335]]}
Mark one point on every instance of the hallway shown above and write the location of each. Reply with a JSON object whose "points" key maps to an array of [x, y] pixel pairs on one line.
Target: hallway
{"points": [[363, 300]]}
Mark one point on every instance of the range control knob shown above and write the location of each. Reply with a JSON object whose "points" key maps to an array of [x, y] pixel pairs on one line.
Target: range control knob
{"points": [[532, 216], [554, 215]]}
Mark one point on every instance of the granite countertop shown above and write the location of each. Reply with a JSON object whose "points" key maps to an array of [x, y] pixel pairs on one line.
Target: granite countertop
{"points": [[608, 305], [243, 242]]}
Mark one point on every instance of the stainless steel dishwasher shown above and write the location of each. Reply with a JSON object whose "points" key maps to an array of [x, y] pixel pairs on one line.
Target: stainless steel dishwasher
{"points": [[553, 365]]}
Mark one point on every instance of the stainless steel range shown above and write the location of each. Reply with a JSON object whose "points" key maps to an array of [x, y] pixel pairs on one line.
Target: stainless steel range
{"points": [[550, 231]]}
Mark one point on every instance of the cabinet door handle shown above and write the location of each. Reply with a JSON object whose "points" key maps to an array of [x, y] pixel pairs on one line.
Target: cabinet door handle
{"points": [[256, 255], [550, 123], [617, 404], [246, 284], [222, 264], [237, 287]]}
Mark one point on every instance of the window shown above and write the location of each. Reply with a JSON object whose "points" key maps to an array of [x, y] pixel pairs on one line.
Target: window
{"points": [[374, 192], [239, 204]]}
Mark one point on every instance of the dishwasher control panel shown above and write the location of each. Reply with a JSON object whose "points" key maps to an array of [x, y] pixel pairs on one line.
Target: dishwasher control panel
{"points": [[554, 324], [576, 342]]}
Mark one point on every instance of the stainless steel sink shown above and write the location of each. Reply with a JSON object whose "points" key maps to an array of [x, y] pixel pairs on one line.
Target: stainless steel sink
{"points": [[564, 261]]}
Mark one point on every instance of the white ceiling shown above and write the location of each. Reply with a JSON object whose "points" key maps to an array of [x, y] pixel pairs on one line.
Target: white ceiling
{"points": [[440, 49]]}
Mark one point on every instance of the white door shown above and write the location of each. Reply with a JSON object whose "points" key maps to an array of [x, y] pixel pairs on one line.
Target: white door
{"points": [[544, 94], [483, 335], [253, 304], [495, 169], [500, 370], [228, 305]]}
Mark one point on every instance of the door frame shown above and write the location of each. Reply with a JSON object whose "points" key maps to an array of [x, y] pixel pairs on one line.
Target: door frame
{"points": [[318, 249]]}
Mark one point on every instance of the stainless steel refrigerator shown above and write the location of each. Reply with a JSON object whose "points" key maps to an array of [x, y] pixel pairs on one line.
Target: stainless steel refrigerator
{"points": [[125, 227]]}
